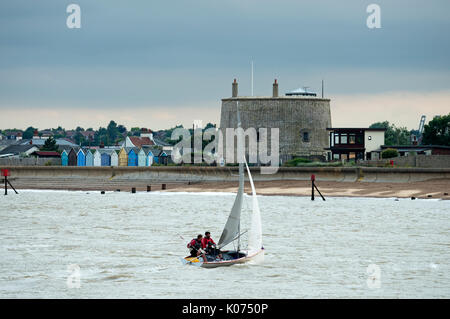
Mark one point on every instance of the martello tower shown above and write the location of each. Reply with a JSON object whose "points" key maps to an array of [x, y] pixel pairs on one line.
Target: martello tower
{"points": [[302, 119]]}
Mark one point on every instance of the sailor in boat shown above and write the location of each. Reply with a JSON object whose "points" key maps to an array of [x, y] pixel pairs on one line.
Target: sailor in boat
{"points": [[209, 246], [195, 246]]}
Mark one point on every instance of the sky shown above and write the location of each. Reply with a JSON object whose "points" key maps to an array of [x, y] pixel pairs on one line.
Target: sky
{"points": [[158, 64]]}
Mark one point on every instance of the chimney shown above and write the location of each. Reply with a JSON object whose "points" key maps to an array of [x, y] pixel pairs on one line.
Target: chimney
{"points": [[234, 90], [275, 89]]}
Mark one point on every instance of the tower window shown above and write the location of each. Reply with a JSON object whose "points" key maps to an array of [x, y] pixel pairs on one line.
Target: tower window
{"points": [[305, 136]]}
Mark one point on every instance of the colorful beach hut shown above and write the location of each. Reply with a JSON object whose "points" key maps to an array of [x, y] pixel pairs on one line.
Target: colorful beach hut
{"points": [[142, 158], [132, 157], [81, 158], [162, 158], [114, 159], [106, 158], [89, 158], [97, 158], [72, 158], [123, 157], [151, 154], [64, 158]]}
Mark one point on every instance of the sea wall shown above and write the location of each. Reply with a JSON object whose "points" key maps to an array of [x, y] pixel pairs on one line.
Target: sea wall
{"points": [[192, 174], [30, 161], [425, 161]]}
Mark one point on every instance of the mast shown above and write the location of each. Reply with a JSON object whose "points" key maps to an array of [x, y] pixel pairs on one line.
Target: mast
{"points": [[231, 230], [241, 165]]}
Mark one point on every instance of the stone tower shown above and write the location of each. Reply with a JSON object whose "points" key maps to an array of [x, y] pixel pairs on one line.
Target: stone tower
{"points": [[302, 119]]}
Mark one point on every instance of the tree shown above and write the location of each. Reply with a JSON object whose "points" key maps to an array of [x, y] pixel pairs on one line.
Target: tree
{"points": [[437, 131], [50, 145], [122, 129], [393, 135], [112, 131], [79, 138], [29, 132], [389, 153]]}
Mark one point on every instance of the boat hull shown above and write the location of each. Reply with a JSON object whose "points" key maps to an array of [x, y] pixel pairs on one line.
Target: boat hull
{"points": [[225, 263]]}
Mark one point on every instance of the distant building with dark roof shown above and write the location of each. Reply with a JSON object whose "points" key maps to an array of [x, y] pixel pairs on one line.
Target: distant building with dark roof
{"points": [[17, 150], [46, 154]]}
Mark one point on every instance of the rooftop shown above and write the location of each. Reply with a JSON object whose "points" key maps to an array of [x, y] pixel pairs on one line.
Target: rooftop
{"points": [[354, 129], [141, 141]]}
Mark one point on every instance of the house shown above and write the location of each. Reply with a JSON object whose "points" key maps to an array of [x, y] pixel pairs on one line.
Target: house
{"points": [[64, 158], [165, 146], [89, 158], [88, 134], [114, 158], [72, 157], [14, 135], [354, 143], [81, 158], [17, 150], [45, 134], [46, 154], [62, 143], [136, 141], [123, 157], [70, 134], [98, 158]]}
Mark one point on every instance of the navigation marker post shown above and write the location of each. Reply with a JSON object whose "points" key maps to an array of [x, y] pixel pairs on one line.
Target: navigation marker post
{"points": [[5, 173], [313, 185]]}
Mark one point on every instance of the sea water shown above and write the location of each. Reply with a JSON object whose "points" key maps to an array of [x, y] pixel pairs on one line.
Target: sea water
{"points": [[57, 244]]}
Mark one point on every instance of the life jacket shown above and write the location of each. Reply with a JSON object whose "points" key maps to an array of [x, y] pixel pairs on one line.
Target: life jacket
{"points": [[194, 244], [207, 241]]}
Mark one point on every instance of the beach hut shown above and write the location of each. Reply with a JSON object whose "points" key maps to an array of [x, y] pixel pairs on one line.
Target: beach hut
{"points": [[142, 158], [133, 157], [64, 158], [89, 158], [81, 158], [106, 158], [163, 158], [72, 158], [97, 158], [123, 157], [151, 155], [114, 159], [149, 158]]}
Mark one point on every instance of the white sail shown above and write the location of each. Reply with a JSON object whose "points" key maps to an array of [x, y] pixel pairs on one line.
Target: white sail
{"points": [[255, 232], [232, 227]]}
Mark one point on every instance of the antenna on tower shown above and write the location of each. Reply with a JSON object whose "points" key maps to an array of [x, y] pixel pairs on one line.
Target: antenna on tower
{"points": [[252, 76], [322, 88]]}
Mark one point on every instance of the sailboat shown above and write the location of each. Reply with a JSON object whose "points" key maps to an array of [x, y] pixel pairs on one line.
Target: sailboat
{"points": [[232, 230]]}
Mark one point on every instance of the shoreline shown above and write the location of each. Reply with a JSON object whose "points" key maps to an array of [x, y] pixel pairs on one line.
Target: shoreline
{"points": [[431, 189]]}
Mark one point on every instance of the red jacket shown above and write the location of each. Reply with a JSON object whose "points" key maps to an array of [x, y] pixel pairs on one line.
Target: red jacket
{"points": [[205, 242], [193, 243]]}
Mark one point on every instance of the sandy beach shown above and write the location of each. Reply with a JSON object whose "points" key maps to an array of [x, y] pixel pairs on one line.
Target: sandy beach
{"points": [[439, 188]]}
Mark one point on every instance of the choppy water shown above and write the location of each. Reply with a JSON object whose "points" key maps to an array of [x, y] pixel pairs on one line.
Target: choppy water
{"points": [[128, 246]]}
